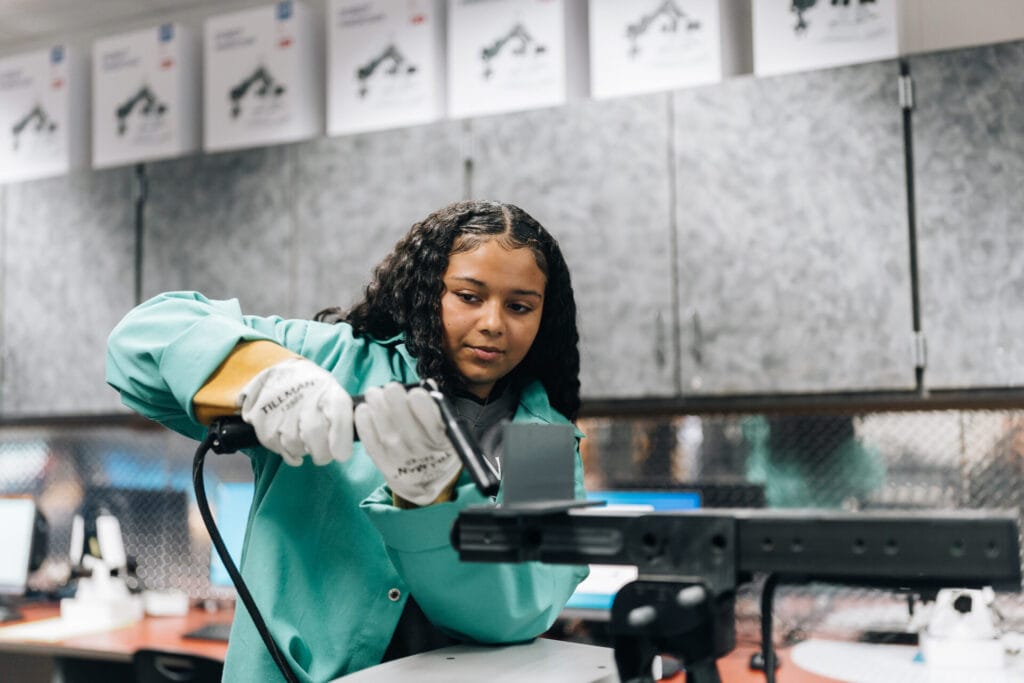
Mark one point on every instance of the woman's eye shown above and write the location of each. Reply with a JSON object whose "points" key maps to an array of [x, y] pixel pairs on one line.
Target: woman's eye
{"points": [[520, 308], [465, 296]]}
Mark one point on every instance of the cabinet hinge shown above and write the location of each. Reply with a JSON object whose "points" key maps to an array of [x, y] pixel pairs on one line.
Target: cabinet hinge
{"points": [[906, 88], [140, 186], [919, 350]]}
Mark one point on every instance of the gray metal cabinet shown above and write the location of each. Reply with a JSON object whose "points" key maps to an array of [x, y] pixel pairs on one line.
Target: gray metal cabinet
{"points": [[793, 264], [968, 124], [354, 196], [68, 273], [595, 174], [221, 224]]}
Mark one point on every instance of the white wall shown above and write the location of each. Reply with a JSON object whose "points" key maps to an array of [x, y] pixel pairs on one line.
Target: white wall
{"points": [[930, 25], [925, 25]]}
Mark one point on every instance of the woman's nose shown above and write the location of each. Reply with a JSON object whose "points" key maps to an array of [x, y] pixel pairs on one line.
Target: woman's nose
{"points": [[492, 318]]}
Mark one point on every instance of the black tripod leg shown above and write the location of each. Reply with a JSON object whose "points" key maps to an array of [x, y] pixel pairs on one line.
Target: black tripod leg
{"points": [[634, 658], [702, 672]]}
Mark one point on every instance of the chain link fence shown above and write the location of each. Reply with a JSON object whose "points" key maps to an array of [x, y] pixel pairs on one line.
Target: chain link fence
{"points": [[921, 460], [142, 475], [925, 460]]}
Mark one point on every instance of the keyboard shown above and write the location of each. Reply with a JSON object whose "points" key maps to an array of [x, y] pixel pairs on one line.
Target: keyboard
{"points": [[215, 630]]}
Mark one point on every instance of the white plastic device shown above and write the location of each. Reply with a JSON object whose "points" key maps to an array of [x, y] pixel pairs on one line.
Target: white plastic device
{"points": [[101, 597], [962, 633]]}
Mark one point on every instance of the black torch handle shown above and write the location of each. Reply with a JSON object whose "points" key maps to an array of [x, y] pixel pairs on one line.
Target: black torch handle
{"points": [[231, 434]]}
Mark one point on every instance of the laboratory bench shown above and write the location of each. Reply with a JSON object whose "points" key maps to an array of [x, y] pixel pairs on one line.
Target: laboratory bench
{"points": [[107, 655], [100, 655]]}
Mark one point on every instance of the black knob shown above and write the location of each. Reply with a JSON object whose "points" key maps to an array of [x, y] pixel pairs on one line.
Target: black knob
{"points": [[963, 603]]}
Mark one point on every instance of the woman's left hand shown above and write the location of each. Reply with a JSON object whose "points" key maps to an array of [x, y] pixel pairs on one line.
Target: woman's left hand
{"points": [[404, 435]]}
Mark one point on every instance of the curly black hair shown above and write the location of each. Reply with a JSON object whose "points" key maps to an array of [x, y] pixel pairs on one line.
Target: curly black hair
{"points": [[404, 296]]}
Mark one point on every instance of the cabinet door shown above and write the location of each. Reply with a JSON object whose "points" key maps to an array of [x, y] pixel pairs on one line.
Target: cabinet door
{"points": [[793, 242], [355, 196], [968, 124], [595, 174], [221, 224], [68, 277]]}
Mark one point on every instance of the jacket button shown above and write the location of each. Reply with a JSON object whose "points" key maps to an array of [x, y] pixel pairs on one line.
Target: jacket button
{"points": [[394, 595]]}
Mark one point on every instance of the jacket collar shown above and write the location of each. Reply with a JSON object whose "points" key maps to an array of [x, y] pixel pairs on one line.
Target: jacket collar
{"points": [[534, 404]]}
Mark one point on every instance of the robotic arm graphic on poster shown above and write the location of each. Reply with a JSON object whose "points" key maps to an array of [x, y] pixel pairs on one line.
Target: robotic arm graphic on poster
{"points": [[513, 55], [145, 96], [385, 64], [655, 45], [817, 34], [42, 130], [260, 76], [36, 121]]}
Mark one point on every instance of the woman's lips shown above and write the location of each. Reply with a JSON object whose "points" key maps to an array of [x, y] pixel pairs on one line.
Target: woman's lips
{"points": [[485, 353]]}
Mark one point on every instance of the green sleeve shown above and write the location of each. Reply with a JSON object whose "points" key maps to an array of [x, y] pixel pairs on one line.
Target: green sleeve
{"points": [[479, 602], [165, 349]]}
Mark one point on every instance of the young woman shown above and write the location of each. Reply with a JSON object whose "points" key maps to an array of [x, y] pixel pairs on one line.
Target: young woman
{"points": [[347, 551]]}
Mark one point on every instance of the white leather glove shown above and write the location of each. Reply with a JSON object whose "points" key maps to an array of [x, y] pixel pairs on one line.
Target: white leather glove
{"points": [[297, 407], [404, 435]]}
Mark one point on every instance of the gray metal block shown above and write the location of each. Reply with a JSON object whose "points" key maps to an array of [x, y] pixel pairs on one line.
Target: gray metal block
{"points": [[355, 196], [793, 245], [968, 127], [68, 278], [221, 224], [596, 174]]}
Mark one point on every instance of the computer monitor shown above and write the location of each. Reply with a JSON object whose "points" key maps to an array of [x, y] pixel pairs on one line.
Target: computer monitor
{"points": [[17, 532], [232, 501], [713, 493], [594, 596]]}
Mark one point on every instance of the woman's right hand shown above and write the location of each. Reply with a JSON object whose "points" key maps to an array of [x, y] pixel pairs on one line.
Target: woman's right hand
{"points": [[404, 434], [298, 408]]}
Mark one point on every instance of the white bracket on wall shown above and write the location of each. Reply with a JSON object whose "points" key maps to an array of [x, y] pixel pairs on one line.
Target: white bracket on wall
{"points": [[906, 90], [919, 350]]}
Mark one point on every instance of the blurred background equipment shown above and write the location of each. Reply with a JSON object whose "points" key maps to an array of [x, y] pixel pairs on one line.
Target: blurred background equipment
{"points": [[106, 591], [22, 547]]}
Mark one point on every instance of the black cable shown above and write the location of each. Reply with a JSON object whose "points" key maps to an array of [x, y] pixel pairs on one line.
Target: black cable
{"points": [[231, 433], [767, 648], [236, 577], [141, 195]]}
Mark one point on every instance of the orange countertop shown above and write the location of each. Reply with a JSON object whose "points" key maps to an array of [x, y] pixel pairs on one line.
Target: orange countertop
{"points": [[160, 633]]}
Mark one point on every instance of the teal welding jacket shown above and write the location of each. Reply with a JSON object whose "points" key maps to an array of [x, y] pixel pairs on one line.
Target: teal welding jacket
{"points": [[324, 548]]}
